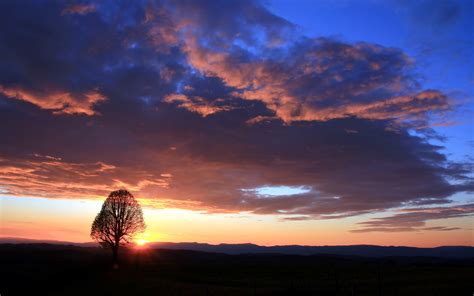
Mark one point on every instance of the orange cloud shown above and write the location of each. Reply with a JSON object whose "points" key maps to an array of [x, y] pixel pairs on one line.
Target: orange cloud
{"points": [[50, 177], [196, 104], [311, 90], [59, 102]]}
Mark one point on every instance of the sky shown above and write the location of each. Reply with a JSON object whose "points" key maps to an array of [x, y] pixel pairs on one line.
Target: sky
{"points": [[269, 122]]}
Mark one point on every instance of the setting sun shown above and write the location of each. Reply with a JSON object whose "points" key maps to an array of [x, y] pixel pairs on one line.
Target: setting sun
{"points": [[142, 239], [141, 242]]}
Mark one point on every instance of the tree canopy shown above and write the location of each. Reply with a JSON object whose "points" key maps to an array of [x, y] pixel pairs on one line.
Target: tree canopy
{"points": [[119, 220]]}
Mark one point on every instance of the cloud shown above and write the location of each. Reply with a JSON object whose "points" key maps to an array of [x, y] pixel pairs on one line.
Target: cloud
{"points": [[210, 159], [414, 219], [69, 65], [80, 9], [296, 77], [48, 176], [188, 104], [196, 104], [322, 79], [60, 102], [441, 228]]}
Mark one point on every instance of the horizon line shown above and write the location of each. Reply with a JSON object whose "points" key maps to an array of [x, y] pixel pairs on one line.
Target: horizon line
{"points": [[59, 242]]}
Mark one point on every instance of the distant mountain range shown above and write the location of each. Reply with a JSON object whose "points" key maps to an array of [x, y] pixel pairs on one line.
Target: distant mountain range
{"points": [[236, 249]]}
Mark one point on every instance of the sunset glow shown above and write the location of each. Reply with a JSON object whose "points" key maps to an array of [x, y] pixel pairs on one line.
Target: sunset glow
{"points": [[143, 238], [141, 242]]}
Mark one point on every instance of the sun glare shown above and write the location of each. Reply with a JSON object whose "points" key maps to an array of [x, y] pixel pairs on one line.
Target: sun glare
{"points": [[141, 242]]}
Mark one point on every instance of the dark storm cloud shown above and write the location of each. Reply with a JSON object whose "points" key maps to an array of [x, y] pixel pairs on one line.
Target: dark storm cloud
{"points": [[187, 103]]}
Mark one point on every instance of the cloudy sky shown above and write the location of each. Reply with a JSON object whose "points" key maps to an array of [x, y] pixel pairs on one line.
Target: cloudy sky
{"points": [[275, 122]]}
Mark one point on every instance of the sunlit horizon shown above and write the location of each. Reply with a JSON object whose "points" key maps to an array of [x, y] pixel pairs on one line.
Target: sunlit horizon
{"points": [[184, 226]]}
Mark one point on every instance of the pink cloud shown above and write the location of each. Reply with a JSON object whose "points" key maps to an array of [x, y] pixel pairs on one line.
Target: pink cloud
{"points": [[59, 102]]}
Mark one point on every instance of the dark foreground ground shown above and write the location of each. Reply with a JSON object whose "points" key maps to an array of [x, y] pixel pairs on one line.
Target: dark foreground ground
{"points": [[39, 269]]}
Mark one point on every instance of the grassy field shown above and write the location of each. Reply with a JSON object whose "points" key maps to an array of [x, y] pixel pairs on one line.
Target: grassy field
{"points": [[66, 270]]}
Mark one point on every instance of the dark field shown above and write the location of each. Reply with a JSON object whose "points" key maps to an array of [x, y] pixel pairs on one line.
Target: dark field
{"points": [[40, 269]]}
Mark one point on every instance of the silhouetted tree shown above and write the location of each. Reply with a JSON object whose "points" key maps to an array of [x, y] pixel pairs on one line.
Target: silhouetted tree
{"points": [[119, 220]]}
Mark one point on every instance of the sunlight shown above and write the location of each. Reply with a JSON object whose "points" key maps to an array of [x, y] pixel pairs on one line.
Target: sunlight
{"points": [[141, 242]]}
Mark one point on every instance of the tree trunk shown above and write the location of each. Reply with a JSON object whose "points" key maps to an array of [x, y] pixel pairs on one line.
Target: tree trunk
{"points": [[115, 255]]}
